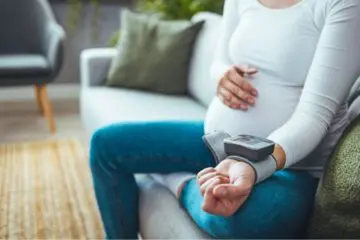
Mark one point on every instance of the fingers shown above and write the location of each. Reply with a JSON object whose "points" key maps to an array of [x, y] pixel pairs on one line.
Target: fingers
{"points": [[209, 185], [248, 87], [213, 205], [246, 70], [205, 177], [205, 171], [230, 99], [241, 81], [209, 203], [241, 93], [235, 90], [212, 182]]}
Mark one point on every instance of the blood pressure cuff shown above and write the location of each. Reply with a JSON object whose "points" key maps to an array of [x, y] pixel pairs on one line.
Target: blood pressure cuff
{"points": [[215, 142]]}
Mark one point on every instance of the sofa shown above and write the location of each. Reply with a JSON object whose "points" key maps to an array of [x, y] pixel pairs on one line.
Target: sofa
{"points": [[160, 214]]}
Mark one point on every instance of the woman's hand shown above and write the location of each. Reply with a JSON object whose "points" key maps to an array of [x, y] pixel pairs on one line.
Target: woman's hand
{"points": [[226, 187], [235, 90]]}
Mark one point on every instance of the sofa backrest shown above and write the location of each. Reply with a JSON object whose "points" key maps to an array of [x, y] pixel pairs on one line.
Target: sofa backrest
{"points": [[201, 87]]}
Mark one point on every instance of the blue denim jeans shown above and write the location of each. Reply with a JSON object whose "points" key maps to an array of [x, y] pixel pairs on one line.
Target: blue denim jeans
{"points": [[277, 208]]}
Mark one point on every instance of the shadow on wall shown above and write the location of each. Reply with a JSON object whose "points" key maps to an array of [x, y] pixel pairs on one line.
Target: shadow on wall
{"points": [[82, 38]]}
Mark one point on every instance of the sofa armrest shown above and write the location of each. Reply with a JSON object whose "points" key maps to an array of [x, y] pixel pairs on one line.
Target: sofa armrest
{"points": [[94, 65]]}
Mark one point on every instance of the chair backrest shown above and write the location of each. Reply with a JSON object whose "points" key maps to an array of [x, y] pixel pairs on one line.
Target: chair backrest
{"points": [[19, 27], [200, 85]]}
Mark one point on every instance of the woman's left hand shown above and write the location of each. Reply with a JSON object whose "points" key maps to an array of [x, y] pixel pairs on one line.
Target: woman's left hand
{"points": [[226, 187]]}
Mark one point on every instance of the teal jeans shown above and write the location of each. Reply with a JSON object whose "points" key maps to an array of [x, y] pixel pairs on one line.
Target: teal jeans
{"points": [[277, 208]]}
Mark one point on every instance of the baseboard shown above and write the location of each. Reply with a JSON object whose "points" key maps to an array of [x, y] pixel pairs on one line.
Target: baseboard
{"points": [[55, 91]]}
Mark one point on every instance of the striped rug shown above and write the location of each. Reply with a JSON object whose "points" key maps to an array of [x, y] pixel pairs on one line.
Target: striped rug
{"points": [[46, 192]]}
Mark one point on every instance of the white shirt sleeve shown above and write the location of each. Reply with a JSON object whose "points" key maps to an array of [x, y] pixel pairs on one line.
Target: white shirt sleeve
{"points": [[230, 21], [335, 67]]}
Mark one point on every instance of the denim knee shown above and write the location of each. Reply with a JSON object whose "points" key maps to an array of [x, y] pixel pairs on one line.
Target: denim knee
{"points": [[100, 147], [114, 145]]}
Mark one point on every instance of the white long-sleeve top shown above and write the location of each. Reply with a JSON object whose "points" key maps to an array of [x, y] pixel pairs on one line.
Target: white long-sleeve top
{"points": [[308, 57]]}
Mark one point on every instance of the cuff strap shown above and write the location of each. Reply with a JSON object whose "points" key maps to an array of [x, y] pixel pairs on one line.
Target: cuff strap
{"points": [[263, 169], [215, 143]]}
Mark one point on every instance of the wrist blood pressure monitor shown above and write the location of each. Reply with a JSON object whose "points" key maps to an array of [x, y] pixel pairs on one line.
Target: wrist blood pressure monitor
{"points": [[250, 147], [255, 151]]}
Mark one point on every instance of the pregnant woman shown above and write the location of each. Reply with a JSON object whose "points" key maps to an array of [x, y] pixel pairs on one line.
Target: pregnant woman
{"points": [[284, 70]]}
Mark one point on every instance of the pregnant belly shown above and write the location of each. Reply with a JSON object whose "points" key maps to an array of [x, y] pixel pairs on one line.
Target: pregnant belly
{"points": [[274, 106]]}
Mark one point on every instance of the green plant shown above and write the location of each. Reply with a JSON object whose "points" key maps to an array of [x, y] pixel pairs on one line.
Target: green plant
{"points": [[166, 9], [179, 9], [75, 12], [114, 39], [174, 10]]}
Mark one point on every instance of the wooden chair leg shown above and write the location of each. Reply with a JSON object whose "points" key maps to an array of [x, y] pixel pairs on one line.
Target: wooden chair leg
{"points": [[46, 107], [38, 99]]}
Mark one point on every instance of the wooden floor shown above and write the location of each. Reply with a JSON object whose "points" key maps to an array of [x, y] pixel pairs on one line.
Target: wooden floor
{"points": [[20, 121]]}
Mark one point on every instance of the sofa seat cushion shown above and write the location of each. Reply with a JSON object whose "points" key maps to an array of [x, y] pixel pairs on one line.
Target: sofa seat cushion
{"points": [[161, 217], [23, 65], [102, 106]]}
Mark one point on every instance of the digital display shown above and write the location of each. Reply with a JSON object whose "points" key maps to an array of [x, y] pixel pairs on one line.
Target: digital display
{"points": [[249, 140], [249, 147]]}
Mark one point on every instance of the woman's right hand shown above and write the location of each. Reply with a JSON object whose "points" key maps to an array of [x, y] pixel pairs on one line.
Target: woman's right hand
{"points": [[235, 90]]}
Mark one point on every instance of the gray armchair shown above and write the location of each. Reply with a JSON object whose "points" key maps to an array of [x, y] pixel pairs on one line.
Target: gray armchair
{"points": [[31, 48]]}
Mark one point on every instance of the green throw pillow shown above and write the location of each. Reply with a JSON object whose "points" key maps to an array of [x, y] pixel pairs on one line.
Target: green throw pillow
{"points": [[337, 201], [153, 54]]}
